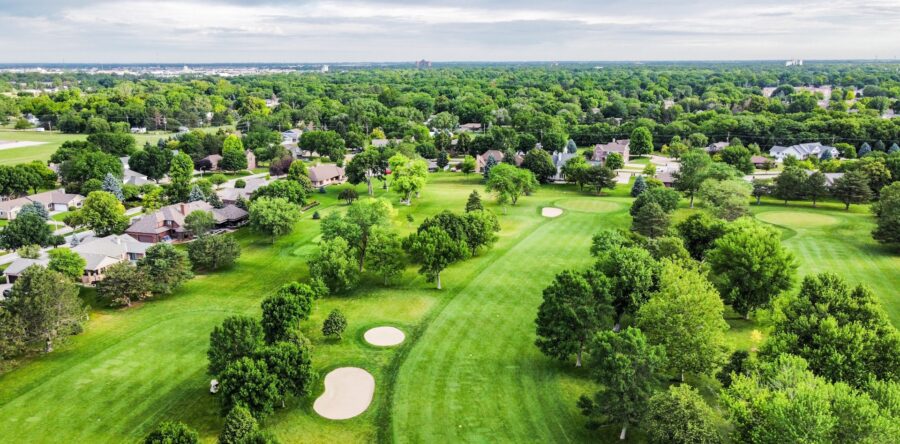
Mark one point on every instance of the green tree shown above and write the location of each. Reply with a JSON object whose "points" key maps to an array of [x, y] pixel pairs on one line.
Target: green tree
{"points": [[180, 173], [26, 229], [575, 171], [685, 317], [290, 363], [290, 190], [762, 187], [510, 183], [692, 172], [443, 159], [790, 184], [283, 312], [666, 198], [480, 228], [434, 250], [386, 257], [213, 252], [199, 222], [614, 161], [336, 265], [627, 366], [727, 199], [467, 166], [334, 324], [570, 314], [408, 176], [474, 202], [112, 185], [123, 284], [103, 213], [273, 216], [153, 161], [540, 163], [240, 427], [739, 157], [783, 401], [750, 266], [639, 186], [48, 305], [887, 215], [651, 220], [172, 432], [237, 337], [641, 141], [249, 382], [699, 232], [681, 416], [852, 188], [233, 156], [816, 187], [196, 194], [600, 177], [632, 273], [166, 266], [851, 341], [326, 143], [67, 262]]}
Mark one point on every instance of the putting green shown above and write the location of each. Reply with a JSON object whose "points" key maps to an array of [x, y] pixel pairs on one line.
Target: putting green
{"points": [[588, 204], [797, 219]]}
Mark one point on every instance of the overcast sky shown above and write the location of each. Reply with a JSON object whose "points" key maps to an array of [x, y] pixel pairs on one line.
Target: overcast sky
{"points": [[197, 31]]}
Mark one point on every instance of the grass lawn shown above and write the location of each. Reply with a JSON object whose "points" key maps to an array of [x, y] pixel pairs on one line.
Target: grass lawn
{"points": [[468, 371], [53, 139]]}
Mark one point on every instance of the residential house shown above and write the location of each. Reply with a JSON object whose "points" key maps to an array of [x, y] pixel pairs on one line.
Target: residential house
{"points": [[326, 174], [54, 201], [759, 161], [100, 253], [601, 151], [717, 147], [291, 136], [138, 130], [470, 127], [251, 159], [167, 223], [560, 158], [829, 177], [131, 177], [481, 160], [15, 269], [212, 162], [802, 151], [230, 196], [667, 178], [34, 121]]}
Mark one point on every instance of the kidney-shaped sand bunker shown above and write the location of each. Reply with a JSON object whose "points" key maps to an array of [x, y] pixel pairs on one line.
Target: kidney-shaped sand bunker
{"points": [[348, 393]]}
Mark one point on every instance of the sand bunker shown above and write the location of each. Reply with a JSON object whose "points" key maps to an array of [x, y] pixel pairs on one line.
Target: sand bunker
{"points": [[551, 212], [348, 393], [384, 336], [8, 145]]}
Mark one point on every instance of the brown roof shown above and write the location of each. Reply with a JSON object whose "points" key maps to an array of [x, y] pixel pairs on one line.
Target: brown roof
{"points": [[325, 172], [154, 222]]}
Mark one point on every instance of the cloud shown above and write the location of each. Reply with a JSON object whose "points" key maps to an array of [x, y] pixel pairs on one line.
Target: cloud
{"points": [[388, 30]]}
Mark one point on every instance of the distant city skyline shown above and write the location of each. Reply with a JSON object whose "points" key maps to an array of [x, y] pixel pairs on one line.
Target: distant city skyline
{"points": [[273, 31]]}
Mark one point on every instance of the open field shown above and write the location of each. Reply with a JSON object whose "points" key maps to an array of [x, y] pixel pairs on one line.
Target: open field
{"points": [[51, 140], [468, 370]]}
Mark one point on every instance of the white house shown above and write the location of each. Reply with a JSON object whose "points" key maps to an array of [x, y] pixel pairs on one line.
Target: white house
{"points": [[802, 151]]}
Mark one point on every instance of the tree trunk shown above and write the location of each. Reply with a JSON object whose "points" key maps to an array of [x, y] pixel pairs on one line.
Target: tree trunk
{"points": [[692, 199], [758, 199], [624, 429], [439, 281], [747, 315], [369, 184], [617, 327], [814, 203], [578, 360], [49, 346], [682, 376]]}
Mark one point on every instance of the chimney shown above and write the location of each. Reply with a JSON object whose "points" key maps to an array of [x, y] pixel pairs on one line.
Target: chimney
{"points": [[183, 209]]}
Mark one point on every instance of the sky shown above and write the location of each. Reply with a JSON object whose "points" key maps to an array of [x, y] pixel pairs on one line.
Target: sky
{"points": [[310, 31]]}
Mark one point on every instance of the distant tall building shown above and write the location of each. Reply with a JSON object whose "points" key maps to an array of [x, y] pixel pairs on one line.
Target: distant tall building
{"points": [[324, 69], [795, 62], [423, 64]]}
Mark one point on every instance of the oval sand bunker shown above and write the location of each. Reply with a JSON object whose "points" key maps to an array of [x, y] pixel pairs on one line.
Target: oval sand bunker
{"points": [[384, 336], [551, 212], [348, 393]]}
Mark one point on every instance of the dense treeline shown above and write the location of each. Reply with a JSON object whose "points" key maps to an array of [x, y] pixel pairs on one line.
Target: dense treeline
{"points": [[524, 105]]}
